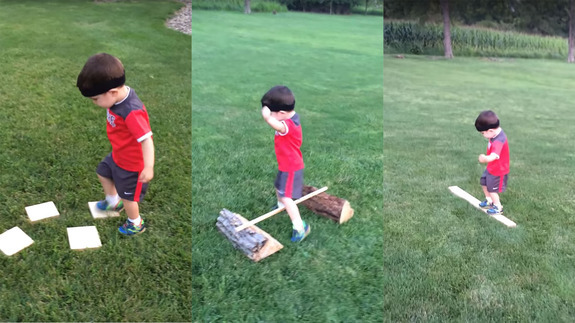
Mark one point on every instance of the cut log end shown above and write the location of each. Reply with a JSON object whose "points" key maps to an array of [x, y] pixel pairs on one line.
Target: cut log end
{"points": [[346, 213], [329, 206], [252, 241]]}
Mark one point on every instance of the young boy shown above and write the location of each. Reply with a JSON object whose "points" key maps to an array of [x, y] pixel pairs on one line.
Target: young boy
{"points": [[278, 111], [494, 178], [126, 171]]}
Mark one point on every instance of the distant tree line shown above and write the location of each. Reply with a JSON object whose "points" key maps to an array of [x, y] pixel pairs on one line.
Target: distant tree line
{"points": [[553, 17], [545, 17], [328, 6]]}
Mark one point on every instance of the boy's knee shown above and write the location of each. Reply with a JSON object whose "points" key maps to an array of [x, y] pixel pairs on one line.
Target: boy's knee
{"points": [[285, 200]]}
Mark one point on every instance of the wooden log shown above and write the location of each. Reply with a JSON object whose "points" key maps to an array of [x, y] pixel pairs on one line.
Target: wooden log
{"points": [[253, 241], [329, 206]]}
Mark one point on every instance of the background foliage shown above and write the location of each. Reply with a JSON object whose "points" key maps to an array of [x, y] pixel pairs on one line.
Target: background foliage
{"points": [[371, 7], [415, 38], [531, 16]]}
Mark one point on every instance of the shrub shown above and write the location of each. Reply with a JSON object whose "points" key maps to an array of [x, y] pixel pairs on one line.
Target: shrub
{"points": [[412, 37], [238, 5]]}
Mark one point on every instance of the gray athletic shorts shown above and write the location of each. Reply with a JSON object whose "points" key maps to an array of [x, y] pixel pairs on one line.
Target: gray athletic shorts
{"points": [[494, 184], [289, 184], [126, 182]]}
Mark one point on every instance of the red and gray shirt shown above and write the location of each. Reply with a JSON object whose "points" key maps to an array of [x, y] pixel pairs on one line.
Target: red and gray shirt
{"points": [[498, 145], [287, 146], [128, 126]]}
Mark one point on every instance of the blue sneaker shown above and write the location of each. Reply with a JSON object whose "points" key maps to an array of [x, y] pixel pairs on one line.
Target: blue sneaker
{"points": [[485, 205], [298, 236], [104, 206], [494, 210], [130, 229]]}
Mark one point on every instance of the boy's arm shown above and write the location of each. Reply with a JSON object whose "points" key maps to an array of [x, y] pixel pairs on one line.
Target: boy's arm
{"points": [[487, 159], [273, 122], [148, 151]]}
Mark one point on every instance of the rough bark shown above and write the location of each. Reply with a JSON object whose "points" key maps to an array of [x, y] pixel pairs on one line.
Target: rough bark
{"points": [[446, 29], [252, 241], [329, 206]]}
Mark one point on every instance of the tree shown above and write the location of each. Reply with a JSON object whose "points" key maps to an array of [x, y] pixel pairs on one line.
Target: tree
{"points": [[446, 28], [571, 37], [247, 7]]}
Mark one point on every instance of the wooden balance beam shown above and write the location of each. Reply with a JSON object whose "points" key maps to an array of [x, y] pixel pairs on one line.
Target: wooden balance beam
{"points": [[475, 202]]}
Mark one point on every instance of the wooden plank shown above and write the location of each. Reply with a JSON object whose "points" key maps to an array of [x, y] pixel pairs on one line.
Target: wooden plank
{"points": [[278, 210], [457, 191]]}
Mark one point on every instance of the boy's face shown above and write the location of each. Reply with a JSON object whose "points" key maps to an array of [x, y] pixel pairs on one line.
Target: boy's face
{"points": [[489, 134], [104, 100]]}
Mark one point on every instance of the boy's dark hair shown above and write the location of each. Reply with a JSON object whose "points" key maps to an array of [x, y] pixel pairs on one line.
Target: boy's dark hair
{"points": [[101, 73], [279, 98], [486, 120]]}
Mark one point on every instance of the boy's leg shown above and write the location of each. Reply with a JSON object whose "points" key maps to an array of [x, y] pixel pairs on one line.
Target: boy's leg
{"points": [[483, 182], [107, 185], [495, 198], [293, 212], [487, 194], [105, 175], [289, 186], [279, 203], [496, 185], [132, 209], [134, 224], [130, 190]]}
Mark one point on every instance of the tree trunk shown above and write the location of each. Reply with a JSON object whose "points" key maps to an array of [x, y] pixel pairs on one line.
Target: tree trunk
{"points": [[446, 28], [365, 13], [247, 7], [326, 205], [570, 55]]}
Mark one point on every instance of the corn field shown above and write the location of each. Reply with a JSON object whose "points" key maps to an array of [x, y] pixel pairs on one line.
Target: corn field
{"points": [[415, 38]]}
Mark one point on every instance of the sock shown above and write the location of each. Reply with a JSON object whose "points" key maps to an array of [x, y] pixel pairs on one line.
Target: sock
{"points": [[489, 200], [280, 205], [113, 199], [500, 207], [136, 221], [298, 225]]}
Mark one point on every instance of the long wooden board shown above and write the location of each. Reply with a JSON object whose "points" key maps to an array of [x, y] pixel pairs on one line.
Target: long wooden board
{"points": [[457, 191]]}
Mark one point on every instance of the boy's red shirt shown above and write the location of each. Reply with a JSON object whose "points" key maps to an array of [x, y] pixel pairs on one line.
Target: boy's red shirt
{"points": [[287, 146], [128, 125], [500, 146]]}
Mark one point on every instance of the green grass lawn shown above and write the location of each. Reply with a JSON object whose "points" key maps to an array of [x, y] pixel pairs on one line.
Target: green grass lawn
{"points": [[443, 259], [53, 139], [333, 65]]}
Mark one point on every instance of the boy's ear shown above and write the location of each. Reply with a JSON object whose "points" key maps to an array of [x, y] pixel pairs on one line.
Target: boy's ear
{"points": [[113, 91]]}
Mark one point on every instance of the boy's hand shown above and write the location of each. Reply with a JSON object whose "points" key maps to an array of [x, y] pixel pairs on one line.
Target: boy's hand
{"points": [[146, 175], [482, 158], [266, 113]]}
